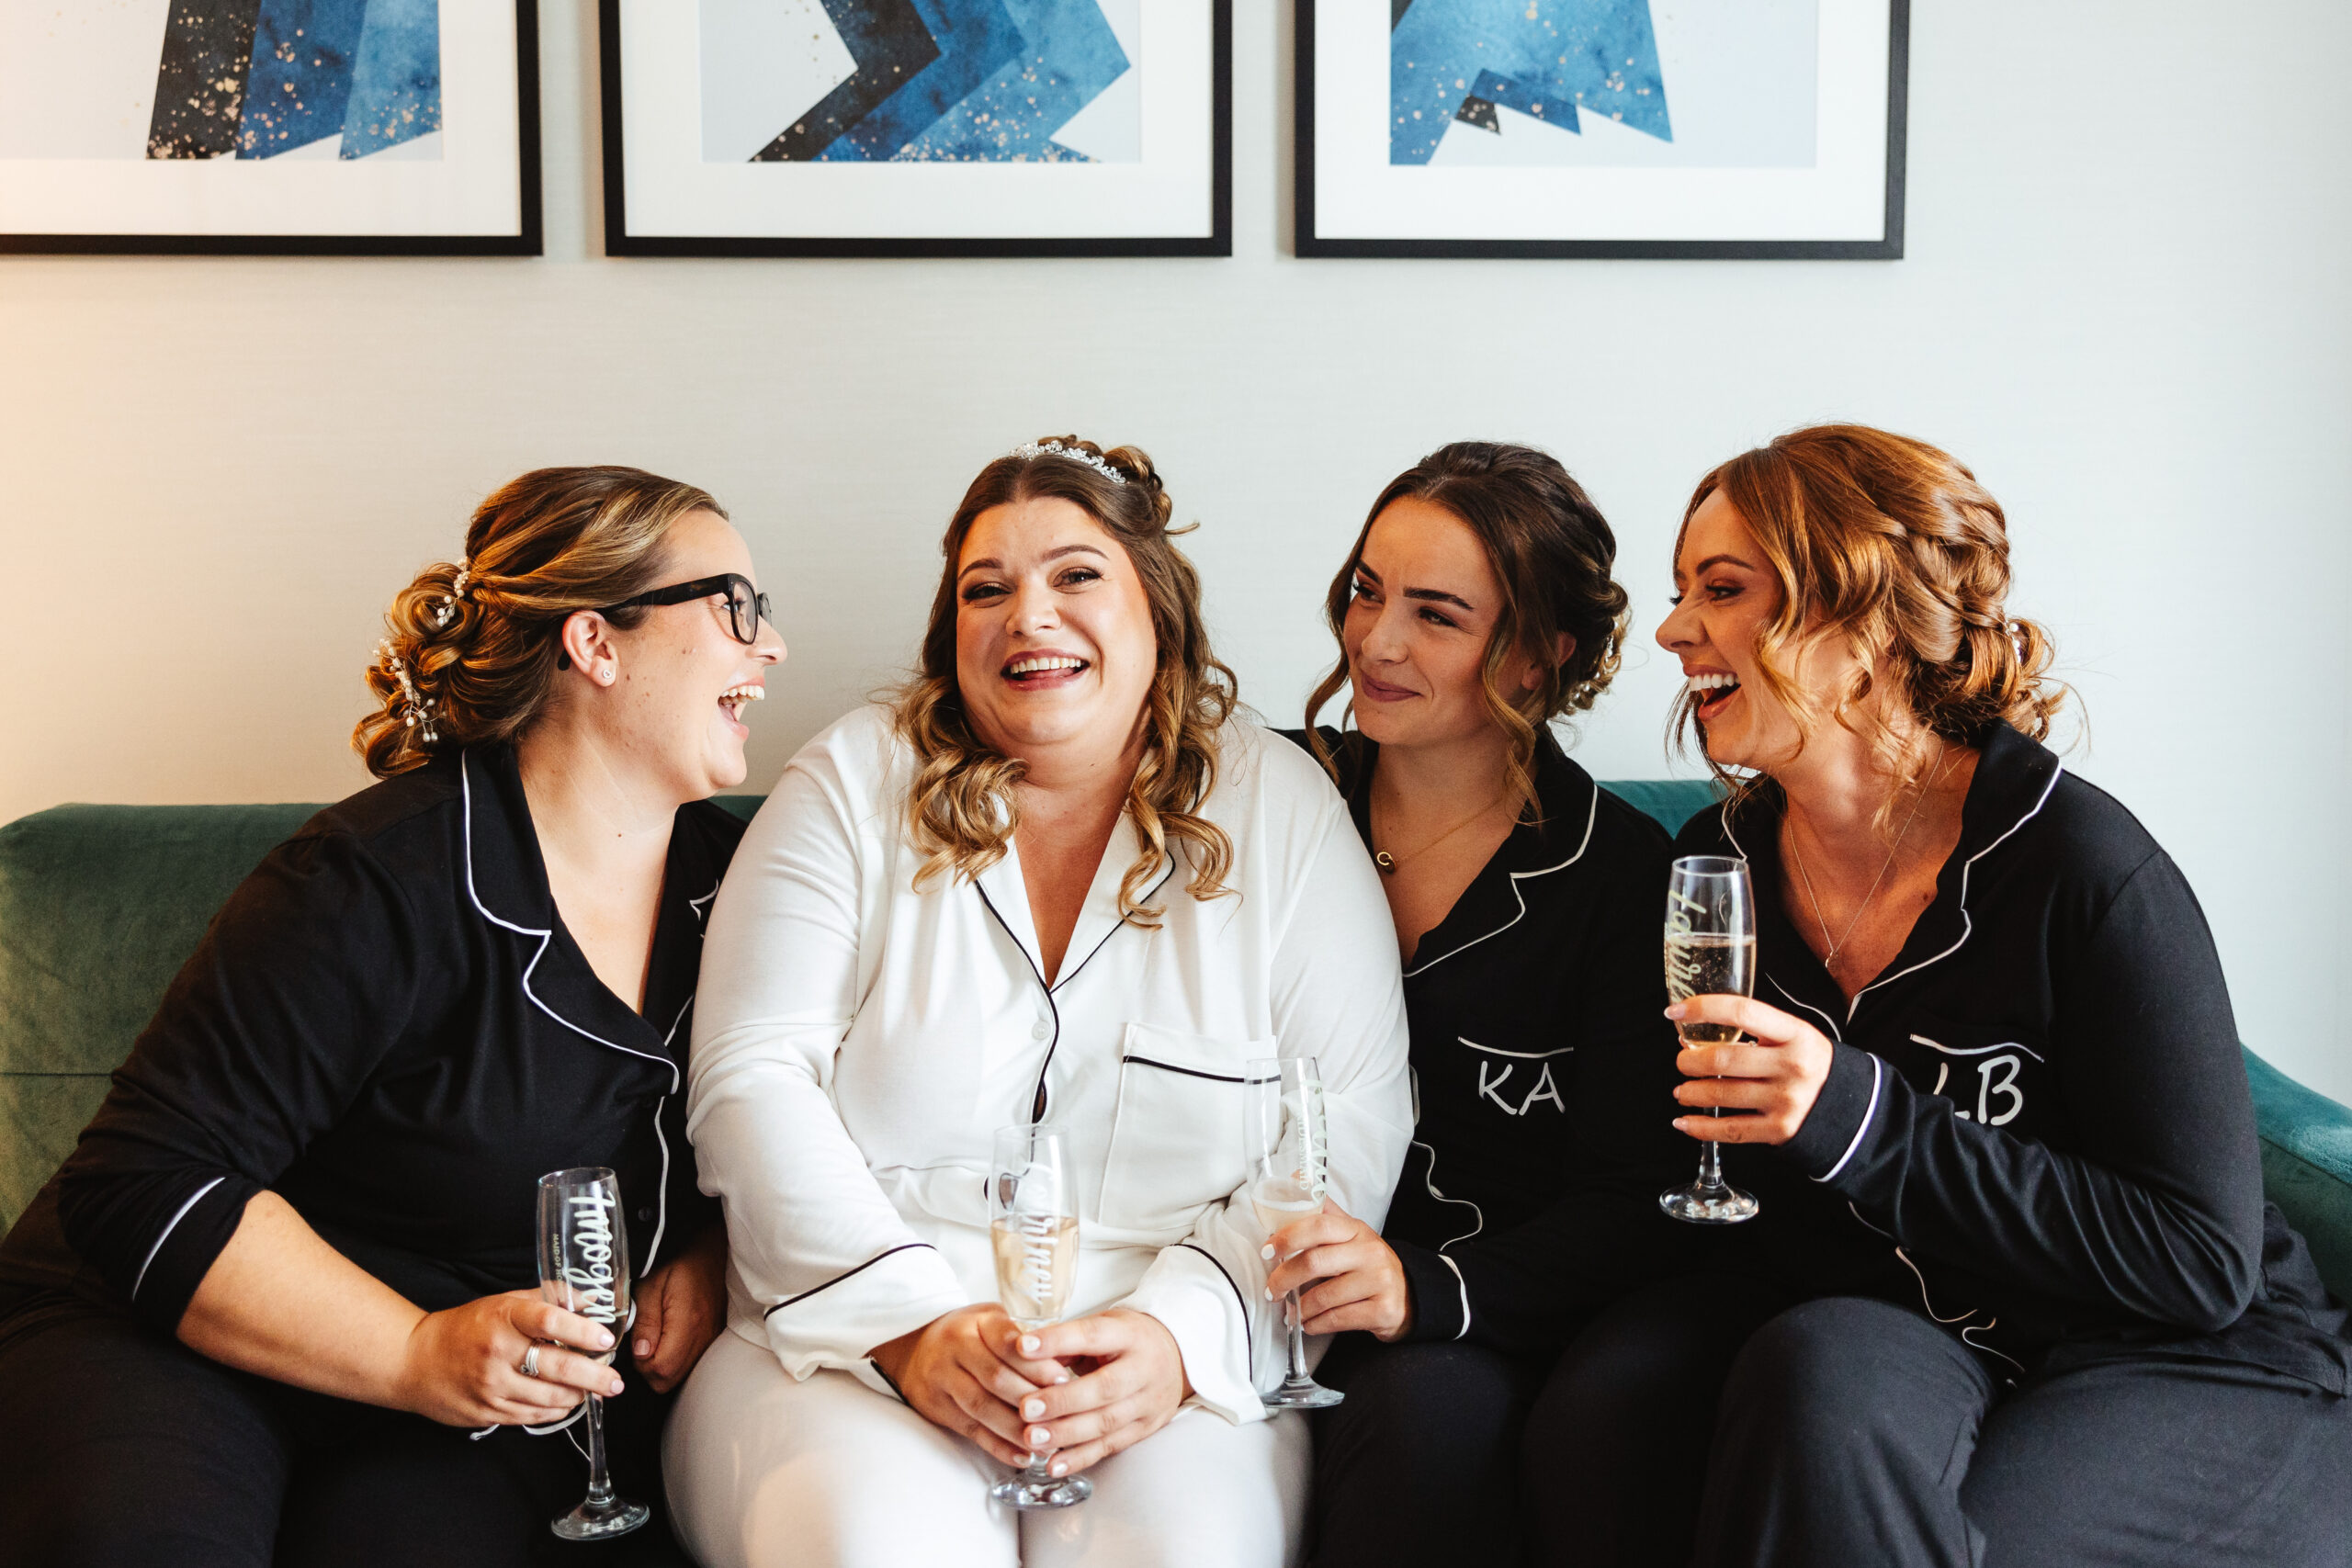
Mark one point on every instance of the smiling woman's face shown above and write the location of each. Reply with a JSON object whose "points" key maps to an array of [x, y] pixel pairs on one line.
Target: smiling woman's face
{"points": [[1054, 641], [684, 681], [1416, 628], [1725, 593]]}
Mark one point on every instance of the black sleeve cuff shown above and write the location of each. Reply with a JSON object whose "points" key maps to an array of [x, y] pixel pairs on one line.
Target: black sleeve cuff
{"points": [[184, 1252], [1851, 1108], [1439, 1299]]}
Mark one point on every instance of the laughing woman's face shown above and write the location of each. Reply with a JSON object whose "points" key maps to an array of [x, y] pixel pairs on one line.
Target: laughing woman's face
{"points": [[1054, 641], [1725, 595]]}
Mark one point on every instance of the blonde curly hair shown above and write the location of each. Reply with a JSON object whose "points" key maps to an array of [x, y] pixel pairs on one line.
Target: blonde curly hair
{"points": [[961, 808], [471, 650]]}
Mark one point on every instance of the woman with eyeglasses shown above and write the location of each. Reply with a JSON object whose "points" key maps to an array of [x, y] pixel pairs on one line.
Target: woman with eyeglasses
{"points": [[280, 1306]]}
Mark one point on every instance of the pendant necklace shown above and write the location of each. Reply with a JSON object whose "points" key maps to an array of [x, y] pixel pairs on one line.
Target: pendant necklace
{"points": [[1797, 854], [1388, 862]]}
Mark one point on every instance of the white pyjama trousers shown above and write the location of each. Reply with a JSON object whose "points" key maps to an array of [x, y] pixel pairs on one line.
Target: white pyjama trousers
{"points": [[766, 1472]]}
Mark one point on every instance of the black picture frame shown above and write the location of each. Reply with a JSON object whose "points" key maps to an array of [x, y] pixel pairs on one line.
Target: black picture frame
{"points": [[618, 242], [1308, 244], [529, 240]]}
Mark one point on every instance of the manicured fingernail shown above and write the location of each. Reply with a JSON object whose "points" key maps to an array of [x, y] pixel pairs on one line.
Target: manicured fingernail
{"points": [[603, 1341], [1061, 1467], [1034, 1409], [614, 1387], [1039, 1437], [1061, 1377], [1676, 1011], [645, 1347], [1270, 1293], [1029, 1345], [1267, 1252]]}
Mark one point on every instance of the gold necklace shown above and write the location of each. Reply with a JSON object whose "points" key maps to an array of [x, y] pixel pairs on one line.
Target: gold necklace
{"points": [[1388, 862], [1797, 854]]}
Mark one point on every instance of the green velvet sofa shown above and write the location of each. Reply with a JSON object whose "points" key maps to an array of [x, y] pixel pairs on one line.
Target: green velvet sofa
{"points": [[100, 905]]}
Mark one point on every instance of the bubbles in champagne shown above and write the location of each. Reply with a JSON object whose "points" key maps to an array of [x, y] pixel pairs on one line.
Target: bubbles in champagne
{"points": [[1709, 963]]}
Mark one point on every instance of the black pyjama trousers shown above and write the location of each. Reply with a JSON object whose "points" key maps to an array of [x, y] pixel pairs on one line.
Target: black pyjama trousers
{"points": [[1455, 1453], [1854, 1431], [121, 1449]]}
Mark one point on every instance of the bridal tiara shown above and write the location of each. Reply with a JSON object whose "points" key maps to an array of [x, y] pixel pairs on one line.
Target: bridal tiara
{"points": [[1056, 449]]}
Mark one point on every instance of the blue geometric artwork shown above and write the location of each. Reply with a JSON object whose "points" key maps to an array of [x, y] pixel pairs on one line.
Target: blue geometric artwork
{"points": [[1553, 61], [914, 81], [263, 78]]}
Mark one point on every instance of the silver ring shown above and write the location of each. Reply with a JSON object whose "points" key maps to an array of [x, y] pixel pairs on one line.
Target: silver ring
{"points": [[530, 1366]]}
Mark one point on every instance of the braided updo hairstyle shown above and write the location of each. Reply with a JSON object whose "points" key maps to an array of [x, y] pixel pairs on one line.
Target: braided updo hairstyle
{"points": [[1552, 553], [1891, 545], [962, 809], [471, 651]]}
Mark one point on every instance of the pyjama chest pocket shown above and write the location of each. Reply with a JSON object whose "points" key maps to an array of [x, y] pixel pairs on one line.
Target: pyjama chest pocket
{"points": [[1176, 1141]]}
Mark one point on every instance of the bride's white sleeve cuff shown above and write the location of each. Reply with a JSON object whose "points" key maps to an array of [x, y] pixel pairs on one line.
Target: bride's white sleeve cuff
{"points": [[1191, 1292], [836, 1325]]}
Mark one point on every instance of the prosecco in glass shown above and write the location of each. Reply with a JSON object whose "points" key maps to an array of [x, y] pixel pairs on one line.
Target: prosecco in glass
{"points": [[1710, 952], [1032, 1229]]}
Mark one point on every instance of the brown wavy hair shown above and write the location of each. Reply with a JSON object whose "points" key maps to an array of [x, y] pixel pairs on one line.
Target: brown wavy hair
{"points": [[461, 668], [1551, 551], [1891, 545], [961, 808]]}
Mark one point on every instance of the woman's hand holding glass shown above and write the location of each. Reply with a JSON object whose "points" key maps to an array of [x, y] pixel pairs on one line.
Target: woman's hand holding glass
{"points": [[1131, 1382], [462, 1366], [963, 1372], [1775, 1075], [1347, 1277]]}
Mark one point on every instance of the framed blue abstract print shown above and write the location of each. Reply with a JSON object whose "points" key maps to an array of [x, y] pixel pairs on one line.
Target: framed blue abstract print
{"points": [[1600, 128], [285, 127], [917, 127]]}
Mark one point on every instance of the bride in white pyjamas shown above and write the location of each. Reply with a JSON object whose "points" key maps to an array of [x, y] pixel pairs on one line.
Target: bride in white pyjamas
{"points": [[1055, 880]]}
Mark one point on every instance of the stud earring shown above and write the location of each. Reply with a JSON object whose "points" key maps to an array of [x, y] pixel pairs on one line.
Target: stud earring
{"points": [[605, 676]]}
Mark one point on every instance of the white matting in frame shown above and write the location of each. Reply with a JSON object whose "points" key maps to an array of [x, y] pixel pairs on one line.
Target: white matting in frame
{"points": [[1143, 168], [1497, 181], [79, 172]]}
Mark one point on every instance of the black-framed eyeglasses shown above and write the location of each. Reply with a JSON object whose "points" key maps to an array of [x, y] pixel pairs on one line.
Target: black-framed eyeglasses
{"points": [[746, 606]]}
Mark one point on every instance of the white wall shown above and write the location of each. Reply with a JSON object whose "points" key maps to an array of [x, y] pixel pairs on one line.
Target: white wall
{"points": [[2124, 304]]}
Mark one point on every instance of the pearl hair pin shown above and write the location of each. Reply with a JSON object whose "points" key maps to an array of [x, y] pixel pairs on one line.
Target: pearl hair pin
{"points": [[420, 709], [1056, 449], [448, 609]]}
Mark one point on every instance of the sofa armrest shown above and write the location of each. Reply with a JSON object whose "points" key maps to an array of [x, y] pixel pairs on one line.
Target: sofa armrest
{"points": [[2307, 1166]]}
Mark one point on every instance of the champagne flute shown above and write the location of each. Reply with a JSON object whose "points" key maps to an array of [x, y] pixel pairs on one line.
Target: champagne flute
{"points": [[1710, 952], [1032, 1227], [1283, 1135], [583, 1268]]}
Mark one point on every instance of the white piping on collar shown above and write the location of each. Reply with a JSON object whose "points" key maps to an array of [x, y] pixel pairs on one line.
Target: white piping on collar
{"points": [[1592, 814], [545, 936], [1798, 1002], [172, 1225], [1967, 922]]}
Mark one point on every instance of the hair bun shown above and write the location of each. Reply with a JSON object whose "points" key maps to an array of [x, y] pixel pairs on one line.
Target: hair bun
{"points": [[1136, 463]]}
